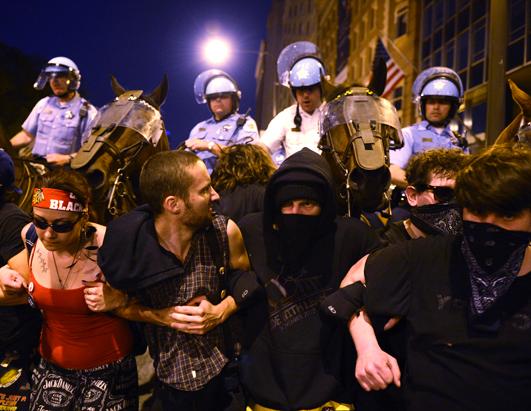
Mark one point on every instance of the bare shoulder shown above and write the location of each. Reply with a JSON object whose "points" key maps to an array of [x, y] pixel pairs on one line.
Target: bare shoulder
{"points": [[99, 234], [24, 231], [238, 254], [233, 230]]}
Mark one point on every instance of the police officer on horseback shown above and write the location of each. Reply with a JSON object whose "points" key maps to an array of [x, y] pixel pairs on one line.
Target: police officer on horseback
{"points": [[300, 69], [58, 124], [437, 91], [226, 127]]}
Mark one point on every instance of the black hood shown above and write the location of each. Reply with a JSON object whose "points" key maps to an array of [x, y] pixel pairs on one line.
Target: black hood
{"points": [[303, 167]]}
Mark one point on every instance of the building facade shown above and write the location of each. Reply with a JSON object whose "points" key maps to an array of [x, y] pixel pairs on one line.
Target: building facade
{"points": [[418, 34]]}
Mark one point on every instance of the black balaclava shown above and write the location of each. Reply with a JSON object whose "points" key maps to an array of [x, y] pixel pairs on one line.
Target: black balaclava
{"points": [[296, 232]]}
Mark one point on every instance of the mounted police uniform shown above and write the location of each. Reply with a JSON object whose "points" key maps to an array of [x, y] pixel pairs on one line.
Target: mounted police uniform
{"points": [[234, 129], [59, 127], [421, 137], [435, 82], [281, 135], [298, 67]]}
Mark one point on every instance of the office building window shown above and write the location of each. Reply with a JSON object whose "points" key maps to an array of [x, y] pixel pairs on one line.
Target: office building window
{"points": [[397, 98], [401, 22], [516, 50]]}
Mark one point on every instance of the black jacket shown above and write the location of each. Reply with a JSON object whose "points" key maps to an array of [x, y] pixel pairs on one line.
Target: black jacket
{"points": [[293, 358]]}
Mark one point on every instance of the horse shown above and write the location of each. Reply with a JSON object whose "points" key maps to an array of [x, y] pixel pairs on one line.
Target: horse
{"points": [[27, 171], [515, 132], [358, 128], [124, 135]]}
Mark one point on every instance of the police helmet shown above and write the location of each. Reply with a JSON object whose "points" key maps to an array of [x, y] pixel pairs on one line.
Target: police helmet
{"points": [[59, 66], [306, 72], [214, 81], [299, 65], [441, 82]]}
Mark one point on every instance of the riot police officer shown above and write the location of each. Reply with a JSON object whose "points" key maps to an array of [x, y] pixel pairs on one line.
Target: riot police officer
{"points": [[226, 127], [297, 126], [437, 91], [58, 124]]}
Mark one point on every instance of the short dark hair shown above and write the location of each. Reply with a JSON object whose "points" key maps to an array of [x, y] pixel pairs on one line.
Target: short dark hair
{"points": [[242, 164], [166, 174], [423, 166], [497, 180], [67, 180]]}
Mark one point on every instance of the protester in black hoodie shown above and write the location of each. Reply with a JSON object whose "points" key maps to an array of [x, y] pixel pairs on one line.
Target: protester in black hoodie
{"points": [[299, 249]]}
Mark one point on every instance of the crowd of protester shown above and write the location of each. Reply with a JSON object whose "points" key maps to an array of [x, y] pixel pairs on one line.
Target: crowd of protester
{"points": [[248, 289]]}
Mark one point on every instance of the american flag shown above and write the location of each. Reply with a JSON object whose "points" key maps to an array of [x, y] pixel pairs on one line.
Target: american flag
{"points": [[394, 73]]}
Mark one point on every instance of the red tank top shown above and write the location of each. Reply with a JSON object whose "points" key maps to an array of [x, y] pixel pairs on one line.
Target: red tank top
{"points": [[74, 337]]}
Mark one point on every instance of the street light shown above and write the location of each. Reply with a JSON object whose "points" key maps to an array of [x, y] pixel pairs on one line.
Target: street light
{"points": [[216, 51]]}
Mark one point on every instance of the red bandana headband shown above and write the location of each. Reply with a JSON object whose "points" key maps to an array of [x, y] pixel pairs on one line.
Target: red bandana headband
{"points": [[55, 199]]}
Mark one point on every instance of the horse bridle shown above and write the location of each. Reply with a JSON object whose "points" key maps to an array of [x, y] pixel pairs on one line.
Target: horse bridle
{"points": [[354, 130]]}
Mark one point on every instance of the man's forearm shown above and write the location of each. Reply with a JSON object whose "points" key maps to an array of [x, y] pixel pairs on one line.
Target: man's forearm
{"points": [[133, 311], [21, 139], [398, 176]]}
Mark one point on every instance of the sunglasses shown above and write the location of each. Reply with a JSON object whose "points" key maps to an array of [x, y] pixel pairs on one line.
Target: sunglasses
{"points": [[441, 193], [57, 226]]}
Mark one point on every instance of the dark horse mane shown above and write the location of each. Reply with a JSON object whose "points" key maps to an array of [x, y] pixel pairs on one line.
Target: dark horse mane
{"points": [[126, 133]]}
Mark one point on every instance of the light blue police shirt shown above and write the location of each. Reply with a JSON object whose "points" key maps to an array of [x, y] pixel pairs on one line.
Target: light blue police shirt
{"points": [[422, 137], [225, 132], [57, 126]]}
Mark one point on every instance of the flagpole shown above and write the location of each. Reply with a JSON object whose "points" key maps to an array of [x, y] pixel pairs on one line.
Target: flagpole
{"points": [[397, 50]]}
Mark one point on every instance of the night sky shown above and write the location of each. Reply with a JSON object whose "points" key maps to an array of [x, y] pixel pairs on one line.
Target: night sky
{"points": [[140, 40]]}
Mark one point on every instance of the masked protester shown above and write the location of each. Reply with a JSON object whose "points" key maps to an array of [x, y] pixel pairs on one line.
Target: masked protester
{"points": [[292, 358], [437, 92], [466, 298], [226, 127], [300, 69], [58, 125], [430, 194]]}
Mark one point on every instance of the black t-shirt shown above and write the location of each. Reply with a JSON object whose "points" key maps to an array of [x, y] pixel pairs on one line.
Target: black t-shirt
{"points": [[451, 366], [12, 220], [293, 359], [14, 319]]}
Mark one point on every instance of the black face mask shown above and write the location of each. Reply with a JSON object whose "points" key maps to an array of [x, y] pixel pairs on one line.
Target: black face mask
{"points": [[297, 232], [492, 246], [438, 219], [494, 257]]}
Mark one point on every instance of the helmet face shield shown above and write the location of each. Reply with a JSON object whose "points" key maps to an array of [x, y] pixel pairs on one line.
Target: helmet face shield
{"points": [[289, 58], [214, 81], [220, 85], [306, 72], [56, 67], [441, 80], [359, 107], [440, 87]]}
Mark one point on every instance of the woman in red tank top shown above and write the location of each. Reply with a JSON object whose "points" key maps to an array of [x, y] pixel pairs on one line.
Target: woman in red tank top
{"points": [[87, 360]]}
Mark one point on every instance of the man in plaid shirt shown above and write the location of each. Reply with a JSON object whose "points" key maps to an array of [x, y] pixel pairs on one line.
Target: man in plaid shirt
{"points": [[168, 262]]}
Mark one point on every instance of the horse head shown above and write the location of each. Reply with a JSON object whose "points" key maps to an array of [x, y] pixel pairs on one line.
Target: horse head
{"points": [[358, 128], [515, 132], [124, 135]]}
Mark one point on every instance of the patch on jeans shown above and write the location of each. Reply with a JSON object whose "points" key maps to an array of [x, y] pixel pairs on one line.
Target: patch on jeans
{"points": [[10, 377]]}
